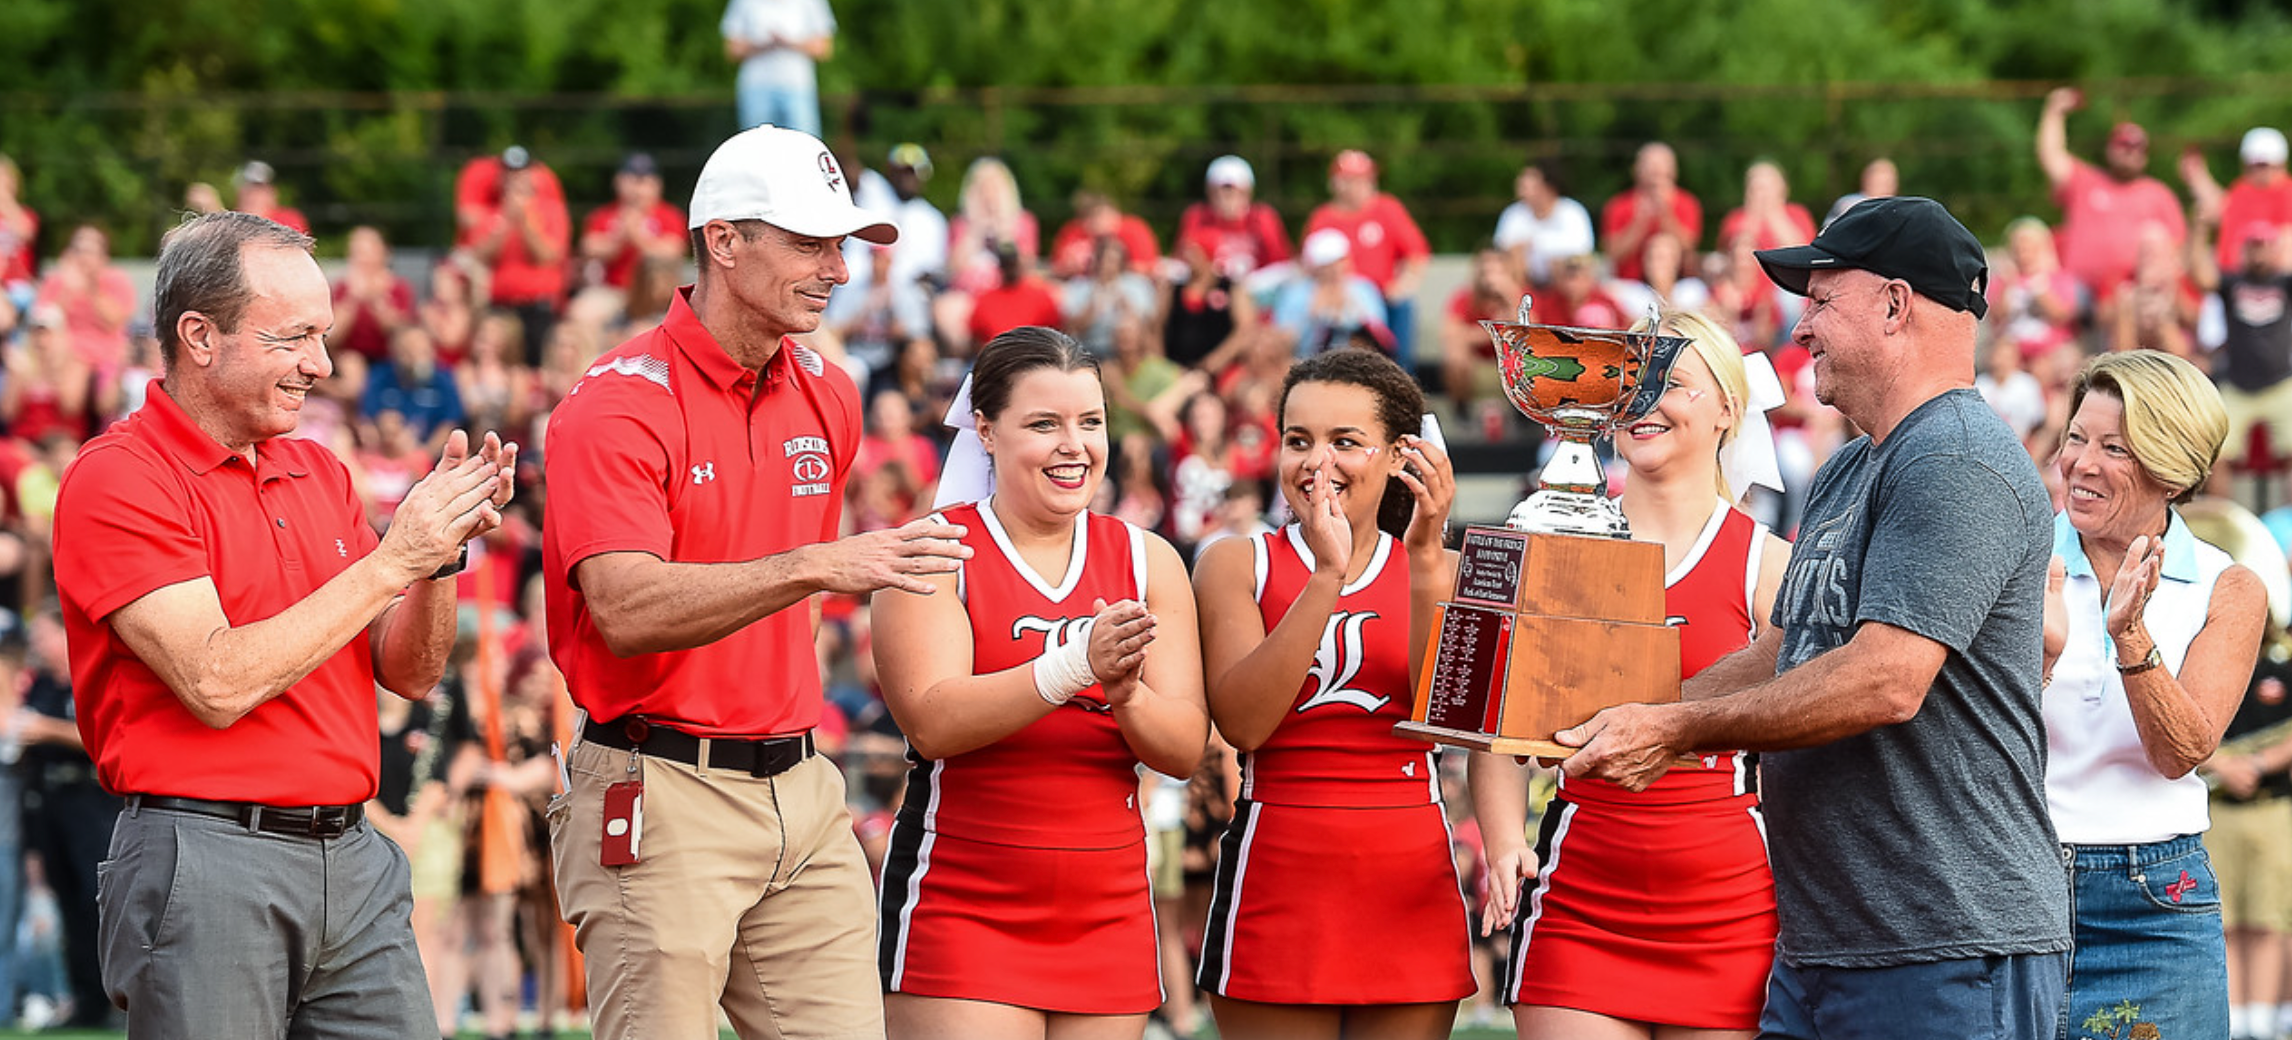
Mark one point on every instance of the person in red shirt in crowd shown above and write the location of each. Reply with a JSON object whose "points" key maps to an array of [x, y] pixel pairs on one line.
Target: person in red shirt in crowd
{"points": [[1468, 355], [371, 303], [96, 298], [48, 389], [989, 215], [1252, 387], [696, 478], [2103, 210], [1767, 214], [2261, 196], [1743, 298], [255, 189], [1020, 298], [19, 229], [1096, 217], [1388, 249], [892, 445], [1239, 234], [230, 615], [1655, 202], [1576, 299], [2157, 308], [637, 227], [257, 192], [521, 232], [2033, 302], [477, 189]]}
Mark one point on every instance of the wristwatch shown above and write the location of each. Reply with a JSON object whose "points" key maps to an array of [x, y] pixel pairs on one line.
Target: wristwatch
{"points": [[453, 566], [2153, 660]]}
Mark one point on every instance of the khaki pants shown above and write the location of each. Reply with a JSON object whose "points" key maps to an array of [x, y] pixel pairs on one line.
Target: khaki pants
{"points": [[2251, 848], [2273, 405], [750, 893]]}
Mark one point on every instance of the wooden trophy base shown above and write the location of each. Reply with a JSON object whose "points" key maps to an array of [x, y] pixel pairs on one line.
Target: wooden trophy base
{"points": [[1547, 630], [1489, 742]]}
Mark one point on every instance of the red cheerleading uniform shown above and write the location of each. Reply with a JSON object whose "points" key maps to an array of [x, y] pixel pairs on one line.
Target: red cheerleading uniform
{"points": [[1017, 871], [1338, 853], [1658, 906]]}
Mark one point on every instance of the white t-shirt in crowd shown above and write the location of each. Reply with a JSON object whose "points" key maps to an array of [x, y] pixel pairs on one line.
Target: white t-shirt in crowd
{"points": [[759, 21], [1567, 232]]}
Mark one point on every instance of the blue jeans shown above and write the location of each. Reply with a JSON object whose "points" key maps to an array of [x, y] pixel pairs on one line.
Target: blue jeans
{"points": [[2149, 947], [795, 108], [11, 885], [1401, 319], [1974, 998]]}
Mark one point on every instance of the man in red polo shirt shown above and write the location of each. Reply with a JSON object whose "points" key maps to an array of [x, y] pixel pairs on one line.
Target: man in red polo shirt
{"points": [[703, 852], [1387, 247], [230, 613], [637, 227], [522, 234], [1654, 203]]}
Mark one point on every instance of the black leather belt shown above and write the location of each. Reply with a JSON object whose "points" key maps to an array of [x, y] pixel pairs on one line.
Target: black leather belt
{"points": [[769, 756], [311, 821]]}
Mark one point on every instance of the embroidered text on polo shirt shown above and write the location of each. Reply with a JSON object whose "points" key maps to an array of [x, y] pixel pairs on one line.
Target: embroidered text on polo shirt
{"points": [[808, 464]]}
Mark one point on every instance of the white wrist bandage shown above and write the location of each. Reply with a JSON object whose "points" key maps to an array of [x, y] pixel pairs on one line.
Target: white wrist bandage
{"points": [[1063, 670]]}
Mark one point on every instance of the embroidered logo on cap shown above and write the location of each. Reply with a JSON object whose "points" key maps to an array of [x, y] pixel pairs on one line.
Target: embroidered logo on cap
{"points": [[829, 172]]}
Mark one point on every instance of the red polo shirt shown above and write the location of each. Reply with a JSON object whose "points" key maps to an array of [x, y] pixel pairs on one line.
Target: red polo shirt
{"points": [[1383, 235], [666, 446], [661, 219], [154, 502], [1623, 208]]}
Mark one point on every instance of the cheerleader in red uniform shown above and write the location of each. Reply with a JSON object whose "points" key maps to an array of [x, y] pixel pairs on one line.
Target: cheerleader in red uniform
{"points": [[1030, 684], [1652, 915], [1337, 910]]}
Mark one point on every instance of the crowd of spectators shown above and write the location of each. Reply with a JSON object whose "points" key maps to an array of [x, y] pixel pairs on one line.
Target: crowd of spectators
{"points": [[1195, 325]]}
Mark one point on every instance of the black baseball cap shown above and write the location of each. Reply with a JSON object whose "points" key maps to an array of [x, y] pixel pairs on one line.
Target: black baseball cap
{"points": [[640, 164], [1904, 237]]}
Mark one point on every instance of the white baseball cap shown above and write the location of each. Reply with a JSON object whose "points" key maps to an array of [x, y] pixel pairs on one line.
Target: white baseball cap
{"points": [[1326, 246], [785, 178], [1233, 170], [2263, 145]]}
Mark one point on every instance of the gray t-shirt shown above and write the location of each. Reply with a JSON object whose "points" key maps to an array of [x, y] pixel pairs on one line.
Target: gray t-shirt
{"points": [[1926, 840]]}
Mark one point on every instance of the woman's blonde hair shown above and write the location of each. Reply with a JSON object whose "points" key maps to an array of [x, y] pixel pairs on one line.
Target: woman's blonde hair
{"points": [[2174, 421], [1717, 347]]}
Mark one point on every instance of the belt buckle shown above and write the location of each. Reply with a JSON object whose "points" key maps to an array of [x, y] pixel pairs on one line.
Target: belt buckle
{"points": [[329, 821], [777, 755]]}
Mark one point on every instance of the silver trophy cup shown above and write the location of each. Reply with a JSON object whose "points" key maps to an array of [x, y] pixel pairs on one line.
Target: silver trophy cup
{"points": [[1581, 385]]}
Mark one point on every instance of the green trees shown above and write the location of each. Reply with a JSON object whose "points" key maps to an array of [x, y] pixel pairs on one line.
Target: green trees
{"points": [[367, 106]]}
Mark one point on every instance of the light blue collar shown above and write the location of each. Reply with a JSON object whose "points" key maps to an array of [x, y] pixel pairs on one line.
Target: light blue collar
{"points": [[2180, 548]]}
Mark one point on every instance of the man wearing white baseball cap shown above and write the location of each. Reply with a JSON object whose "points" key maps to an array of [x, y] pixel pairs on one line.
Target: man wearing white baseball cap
{"points": [[1237, 233], [703, 853], [2261, 195]]}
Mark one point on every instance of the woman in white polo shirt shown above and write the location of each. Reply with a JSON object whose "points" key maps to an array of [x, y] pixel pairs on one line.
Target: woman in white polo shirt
{"points": [[2150, 638]]}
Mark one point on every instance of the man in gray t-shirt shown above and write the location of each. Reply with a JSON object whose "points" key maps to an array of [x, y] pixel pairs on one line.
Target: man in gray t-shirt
{"points": [[1917, 877]]}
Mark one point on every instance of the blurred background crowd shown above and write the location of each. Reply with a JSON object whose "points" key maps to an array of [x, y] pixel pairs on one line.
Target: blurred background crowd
{"points": [[1196, 308]]}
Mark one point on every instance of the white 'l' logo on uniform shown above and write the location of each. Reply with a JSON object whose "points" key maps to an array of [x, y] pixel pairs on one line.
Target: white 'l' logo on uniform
{"points": [[1337, 661]]}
